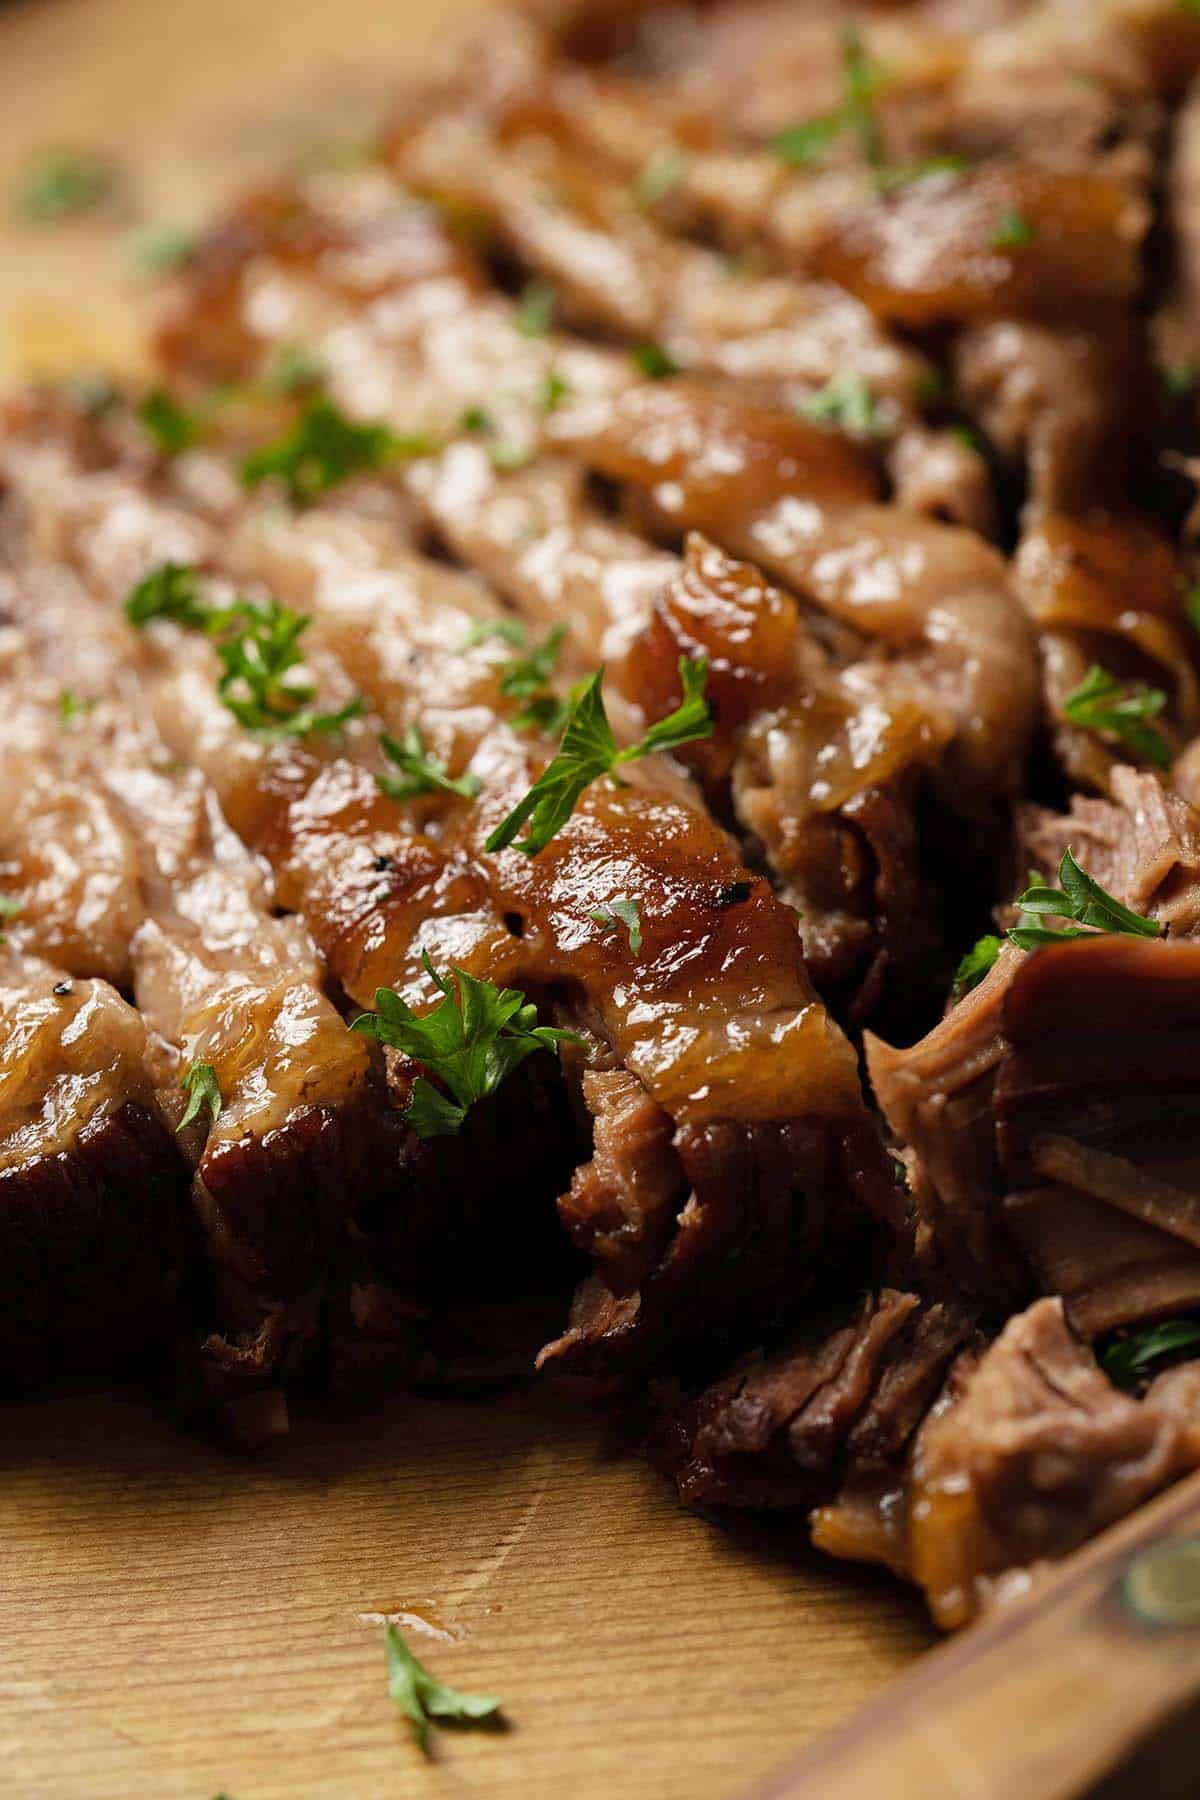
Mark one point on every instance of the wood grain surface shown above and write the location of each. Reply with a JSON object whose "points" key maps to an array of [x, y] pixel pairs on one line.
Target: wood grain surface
{"points": [[179, 1622]]}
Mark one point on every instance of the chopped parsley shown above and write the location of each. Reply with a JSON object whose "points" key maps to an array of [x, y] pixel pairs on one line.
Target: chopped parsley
{"points": [[258, 646], [421, 774], [423, 1698], [904, 174], [553, 391], [1191, 606], [159, 249], [10, 906], [1127, 1358], [292, 368], [653, 361], [474, 418], [511, 631], [61, 184], [200, 1086], [527, 678], [1100, 703], [172, 426], [72, 707], [324, 448], [621, 911], [1080, 899], [846, 400], [473, 1039], [659, 177], [975, 965], [801, 145], [535, 309], [1179, 379], [589, 751], [1014, 232]]}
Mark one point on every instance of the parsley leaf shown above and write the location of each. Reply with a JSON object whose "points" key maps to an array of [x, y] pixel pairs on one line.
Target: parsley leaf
{"points": [[589, 751], [474, 418], [659, 176], [172, 426], [1081, 899], [653, 361], [621, 911], [258, 646], [1126, 1358], [71, 707], [60, 184], [861, 78], [1100, 704], [535, 309], [801, 145], [421, 773], [528, 677], [323, 448], [974, 965], [157, 249], [510, 630], [422, 1697], [1014, 232], [292, 368], [845, 400], [200, 1085], [554, 390], [10, 906], [473, 1039]]}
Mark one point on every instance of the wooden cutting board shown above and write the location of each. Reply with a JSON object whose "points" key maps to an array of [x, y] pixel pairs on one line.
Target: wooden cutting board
{"points": [[177, 1621]]}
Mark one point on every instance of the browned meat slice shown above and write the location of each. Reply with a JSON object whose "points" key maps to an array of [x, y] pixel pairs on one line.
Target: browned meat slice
{"points": [[934, 600], [1034, 1453], [772, 1155], [94, 1222], [1051, 1106], [1107, 589], [782, 1428]]}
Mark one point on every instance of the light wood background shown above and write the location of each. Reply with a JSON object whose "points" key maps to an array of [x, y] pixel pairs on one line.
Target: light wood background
{"points": [[178, 1622]]}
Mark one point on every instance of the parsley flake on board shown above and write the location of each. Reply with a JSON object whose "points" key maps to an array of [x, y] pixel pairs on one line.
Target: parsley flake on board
{"points": [[420, 773], [1100, 703], [61, 184], [1127, 1358], [261, 679], [1082, 900], [473, 1039], [846, 400], [200, 1086], [589, 751], [621, 911], [423, 1698], [324, 448]]}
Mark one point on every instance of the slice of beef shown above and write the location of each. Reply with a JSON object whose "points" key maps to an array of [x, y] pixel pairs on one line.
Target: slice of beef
{"points": [[1051, 1107], [1035, 1453], [94, 1220]]}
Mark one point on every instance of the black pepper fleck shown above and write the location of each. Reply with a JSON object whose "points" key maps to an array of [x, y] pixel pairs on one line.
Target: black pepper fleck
{"points": [[733, 894]]}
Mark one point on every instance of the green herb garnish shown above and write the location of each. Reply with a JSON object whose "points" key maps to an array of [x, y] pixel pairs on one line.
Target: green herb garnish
{"points": [[1191, 606], [653, 361], [472, 1041], [474, 418], [846, 400], [535, 309], [422, 774], [158, 249], [802, 145], [975, 965], [1127, 1358], [554, 390], [200, 1085], [1100, 703], [10, 906], [324, 448], [510, 631], [660, 176], [589, 751], [1082, 900], [621, 911], [807, 143], [258, 645], [71, 707], [60, 184], [1014, 232], [1179, 379], [900, 175], [423, 1698], [293, 368], [172, 426]]}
